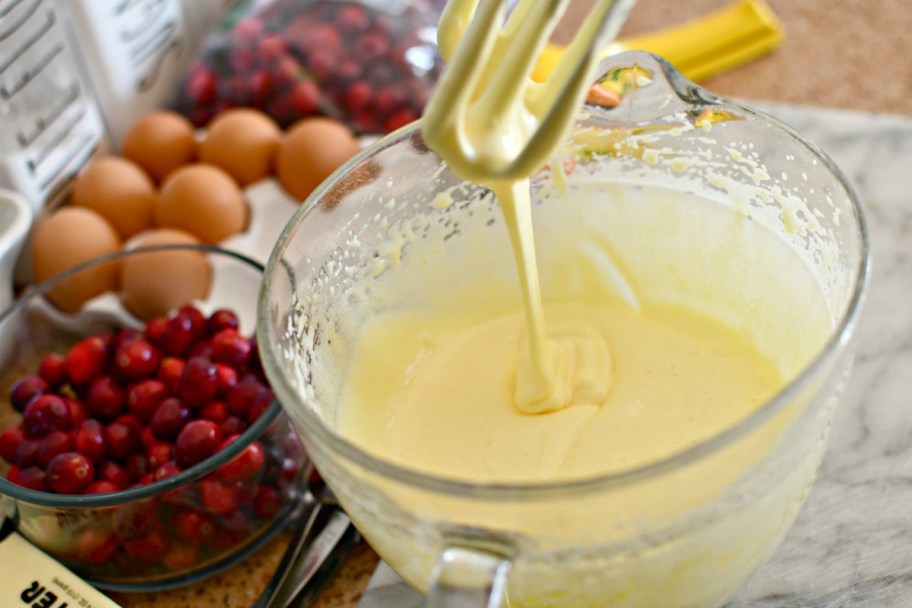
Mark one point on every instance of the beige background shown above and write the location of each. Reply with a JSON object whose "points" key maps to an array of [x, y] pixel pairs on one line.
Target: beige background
{"points": [[853, 54]]}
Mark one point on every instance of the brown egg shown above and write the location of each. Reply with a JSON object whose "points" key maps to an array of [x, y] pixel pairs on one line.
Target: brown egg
{"points": [[203, 200], [243, 142], [157, 282], [160, 142], [312, 149], [71, 236], [119, 190]]}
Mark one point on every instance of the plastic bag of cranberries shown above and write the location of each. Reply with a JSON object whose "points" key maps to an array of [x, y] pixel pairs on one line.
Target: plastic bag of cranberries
{"points": [[368, 63]]}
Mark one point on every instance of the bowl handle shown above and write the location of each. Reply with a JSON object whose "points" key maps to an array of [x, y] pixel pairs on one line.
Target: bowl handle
{"points": [[469, 576]]}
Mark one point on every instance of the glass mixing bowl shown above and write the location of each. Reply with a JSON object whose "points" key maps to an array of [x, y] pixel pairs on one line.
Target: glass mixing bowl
{"points": [[697, 202], [160, 530]]}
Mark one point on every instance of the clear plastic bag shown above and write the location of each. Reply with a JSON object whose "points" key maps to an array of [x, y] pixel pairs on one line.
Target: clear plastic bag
{"points": [[369, 63]]}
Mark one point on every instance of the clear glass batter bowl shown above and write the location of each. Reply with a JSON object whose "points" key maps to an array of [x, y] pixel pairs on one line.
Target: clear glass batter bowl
{"points": [[706, 204]]}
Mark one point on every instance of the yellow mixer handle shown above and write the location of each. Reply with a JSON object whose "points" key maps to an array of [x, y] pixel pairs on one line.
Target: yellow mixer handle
{"points": [[703, 47]]}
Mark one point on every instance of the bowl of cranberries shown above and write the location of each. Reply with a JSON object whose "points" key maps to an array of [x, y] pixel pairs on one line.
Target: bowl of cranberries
{"points": [[144, 453]]}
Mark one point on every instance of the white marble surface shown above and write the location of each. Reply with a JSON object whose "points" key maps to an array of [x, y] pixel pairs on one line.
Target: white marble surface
{"points": [[852, 544]]}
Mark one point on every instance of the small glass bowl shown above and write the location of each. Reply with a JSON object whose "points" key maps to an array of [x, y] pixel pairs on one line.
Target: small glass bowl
{"points": [[166, 533]]}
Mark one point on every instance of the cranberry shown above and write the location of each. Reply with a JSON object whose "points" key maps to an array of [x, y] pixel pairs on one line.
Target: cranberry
{"points": [[27, 453], [216, 411], [32, 478], [219, 320], [55, 442], [136, 359], [94, 546], [170, 418], [70, 473], [226, 378], [243, 466], [148, 437], [201, 85], [131, 421], [106, 399], [353, 18], [192, 525], [244, 394], [122, 440], [197, 320], [233, 425], [260, 405], [231, 348], [201, 348], [101, 487], [305, 97], [155, 329], [26, 389], [90, 440], [218, 498], [9, 441], [169, 469], [199, 381], [146, 479], [178, 335], [289, 470], [358, 95], [44, 414], [181, 557], [144, 397], [148, 548], [78, 412], [196, 442], [113, 473], [137, 465], [267, 502], [52, 369], [159, 454], [87, 359], [170, 371]]}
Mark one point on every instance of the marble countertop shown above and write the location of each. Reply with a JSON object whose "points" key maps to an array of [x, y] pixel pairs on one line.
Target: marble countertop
{"points": [[851, 547]]}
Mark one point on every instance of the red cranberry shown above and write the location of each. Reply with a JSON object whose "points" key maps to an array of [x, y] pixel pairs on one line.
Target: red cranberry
{"points": [[289, 470], [106, 399], [192, 525], [9, 442], [124, 336], [267, 502], [170, 418], [196, 442], [197, 320], [146, 479], [70, 473], [243, 466], [305, 97], [148, 548], [94, 546], [170, 371], [148, 437], [259, 407], [144, 397], [218, 498], [169, 469], [358, 95], [221, 319], [87, 359], [178, 335], [90, 440], [32, 478], [101, 487], [159, 454], [44, 414], [233, 529], [136, 359], [155, 329], [26, 389], [181, 557], [55, 442], [216, 411], [227, 378], [353, 18], [233, 425], [244, 394], [137, 466], [27, 453], [202, 85], [78, 412], [113, 473], [231, 348], [52, 369], [122, 440], [131, 421], [199, 382], [201, 348]]}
